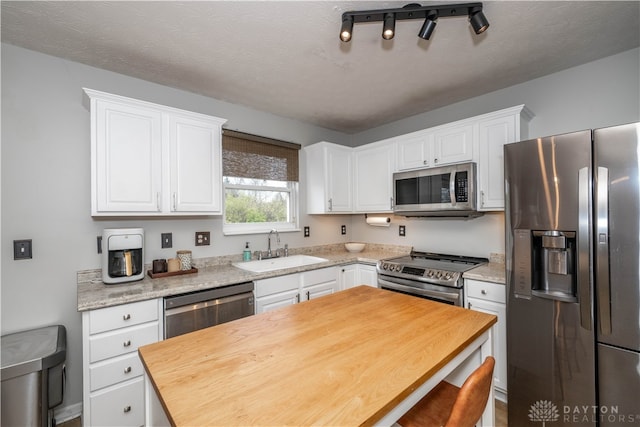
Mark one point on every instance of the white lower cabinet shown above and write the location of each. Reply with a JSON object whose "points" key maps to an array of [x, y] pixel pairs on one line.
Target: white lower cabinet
{"points": [[113, 375], [490, 298], [358, 274], [282, 291]]}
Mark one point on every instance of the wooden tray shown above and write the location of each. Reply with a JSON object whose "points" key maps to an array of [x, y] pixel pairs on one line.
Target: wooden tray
{"points": [[173, 273]]}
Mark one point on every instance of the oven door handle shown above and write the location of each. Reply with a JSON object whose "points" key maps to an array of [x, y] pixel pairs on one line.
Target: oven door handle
{"points": [[448, 296]]}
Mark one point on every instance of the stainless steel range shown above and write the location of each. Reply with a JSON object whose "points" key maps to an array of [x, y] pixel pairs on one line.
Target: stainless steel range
{"points": [[427, 275]]}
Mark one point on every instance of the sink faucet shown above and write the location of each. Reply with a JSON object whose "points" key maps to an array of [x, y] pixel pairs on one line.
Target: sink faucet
{"points": [[269, 242]]}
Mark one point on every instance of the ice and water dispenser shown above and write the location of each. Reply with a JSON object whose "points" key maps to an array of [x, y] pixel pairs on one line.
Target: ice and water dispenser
{"points": [[545, 264]]}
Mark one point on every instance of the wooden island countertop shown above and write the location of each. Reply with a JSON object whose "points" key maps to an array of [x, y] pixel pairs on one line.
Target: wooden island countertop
{"points": [[340, 360]]}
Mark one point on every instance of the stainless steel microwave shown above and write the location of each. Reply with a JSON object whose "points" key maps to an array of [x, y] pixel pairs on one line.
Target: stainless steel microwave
{"points": [[442, 191]]}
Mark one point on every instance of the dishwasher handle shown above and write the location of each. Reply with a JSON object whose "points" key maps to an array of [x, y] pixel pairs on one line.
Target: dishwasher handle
{"points": [[209, 294], [208, 303]]}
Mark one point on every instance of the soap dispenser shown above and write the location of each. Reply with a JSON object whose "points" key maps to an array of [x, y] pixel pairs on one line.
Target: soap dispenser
{"points": [[246, 254]]}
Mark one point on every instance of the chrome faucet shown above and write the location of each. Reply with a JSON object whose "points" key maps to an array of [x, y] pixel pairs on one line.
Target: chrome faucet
{"points": [[269, 242]]}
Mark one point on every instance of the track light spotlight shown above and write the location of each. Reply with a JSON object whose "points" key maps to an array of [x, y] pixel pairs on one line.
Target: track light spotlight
{"points": [[478, 20], [428, 26], [429, 14], [389, 26], [347, 28]]}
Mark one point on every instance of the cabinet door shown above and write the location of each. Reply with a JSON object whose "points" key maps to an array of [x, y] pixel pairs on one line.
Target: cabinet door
{"points": [[453, 145], [348, 276], [493, 135], [339, 179], [500, 340], [319, 290], [196, 165], [367, 275], [373, 170], [126, 158], [275, 301], [414, 150]]}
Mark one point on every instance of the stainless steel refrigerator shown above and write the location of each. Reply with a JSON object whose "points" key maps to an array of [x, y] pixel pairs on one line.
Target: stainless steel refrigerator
{"points": [[572, 222]]}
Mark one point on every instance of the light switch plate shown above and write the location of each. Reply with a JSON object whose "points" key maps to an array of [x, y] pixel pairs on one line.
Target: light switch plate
{"points": [[167, 240], [22, 249]]}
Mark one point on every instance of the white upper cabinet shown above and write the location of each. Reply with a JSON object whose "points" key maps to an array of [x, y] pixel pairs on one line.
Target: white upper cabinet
{"points": [[453, 144], [494, 131], [148, 159], [373, 168], [438, 146], [196, 165], [329, 178]]}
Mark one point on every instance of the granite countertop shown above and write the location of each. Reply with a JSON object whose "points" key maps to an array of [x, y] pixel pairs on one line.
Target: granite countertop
{"points": [[216, 272], [493, 272]]}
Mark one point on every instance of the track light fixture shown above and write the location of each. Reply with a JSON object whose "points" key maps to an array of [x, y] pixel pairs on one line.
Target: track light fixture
{"points": [[429, 14]]}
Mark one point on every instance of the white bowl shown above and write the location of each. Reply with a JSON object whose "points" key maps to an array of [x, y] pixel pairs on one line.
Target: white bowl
{"points": [[354, 246]]}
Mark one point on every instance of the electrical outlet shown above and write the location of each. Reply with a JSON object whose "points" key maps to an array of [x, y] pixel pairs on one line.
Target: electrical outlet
{"points": [[402, 231], [307, 232], [167, 240], [22, 249], [343, 229], [203, 238]]}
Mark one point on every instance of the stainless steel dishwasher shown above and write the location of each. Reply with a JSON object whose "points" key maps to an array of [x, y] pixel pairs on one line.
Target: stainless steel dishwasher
{"points": [[197, 310]]}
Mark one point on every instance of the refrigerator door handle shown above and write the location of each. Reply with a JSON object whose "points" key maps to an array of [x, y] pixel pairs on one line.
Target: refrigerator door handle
{"points": [[602, 250], [584, 278]]}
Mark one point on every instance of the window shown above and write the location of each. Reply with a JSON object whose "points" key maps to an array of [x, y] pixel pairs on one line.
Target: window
{"points": [[260, 177]]}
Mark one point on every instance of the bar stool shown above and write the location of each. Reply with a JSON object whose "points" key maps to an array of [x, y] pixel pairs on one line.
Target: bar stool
{"points": [[449, 406]]}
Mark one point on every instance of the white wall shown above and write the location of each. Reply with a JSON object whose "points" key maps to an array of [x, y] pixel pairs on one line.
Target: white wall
{"points": [[601, 93], [45, 175], [46, 194]]}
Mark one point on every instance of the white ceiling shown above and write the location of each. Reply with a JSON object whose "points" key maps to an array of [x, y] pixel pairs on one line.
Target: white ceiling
{"points": [[285, 57]]}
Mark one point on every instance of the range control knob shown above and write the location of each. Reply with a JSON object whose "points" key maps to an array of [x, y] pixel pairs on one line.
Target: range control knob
{"points": [[398, 268], [385, 266], [447, 276], [430, 273], [438, 274]]}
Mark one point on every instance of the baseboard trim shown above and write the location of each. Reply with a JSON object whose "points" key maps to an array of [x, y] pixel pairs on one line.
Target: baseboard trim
{"points": [[66, 413]]}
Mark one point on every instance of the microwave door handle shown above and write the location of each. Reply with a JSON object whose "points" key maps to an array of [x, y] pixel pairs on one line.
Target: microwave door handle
{"points": [[602, 250], [452, 188]]}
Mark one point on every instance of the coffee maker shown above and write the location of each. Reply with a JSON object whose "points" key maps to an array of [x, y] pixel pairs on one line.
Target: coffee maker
{"points": [[122, 255]]}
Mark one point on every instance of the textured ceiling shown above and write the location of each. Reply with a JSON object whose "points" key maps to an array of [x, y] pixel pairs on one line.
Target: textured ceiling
{"points": [[285, 57]]}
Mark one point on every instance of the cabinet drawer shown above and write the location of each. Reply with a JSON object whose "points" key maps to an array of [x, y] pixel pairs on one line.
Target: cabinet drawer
{"points": [[486, 290], [121, 316], [113, 371], [122, 405], [275, 285], [321, 275], [121, 341]]}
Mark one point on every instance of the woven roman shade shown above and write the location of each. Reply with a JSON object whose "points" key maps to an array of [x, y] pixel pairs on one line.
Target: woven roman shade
{"points": [[257, 157]]}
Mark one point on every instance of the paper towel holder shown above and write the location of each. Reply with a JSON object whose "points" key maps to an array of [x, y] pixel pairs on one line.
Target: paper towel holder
{"points": [[377, 221]]}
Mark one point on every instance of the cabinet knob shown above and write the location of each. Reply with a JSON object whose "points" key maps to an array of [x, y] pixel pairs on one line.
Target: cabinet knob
{"points": [[127, 409], [127, 343], [435, 160], [127, 370], [469, 305], [308, 295], [424, 162], [483, 292], [126, 317]]}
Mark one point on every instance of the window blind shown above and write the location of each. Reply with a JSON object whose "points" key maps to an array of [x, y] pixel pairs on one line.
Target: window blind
{"points": [[257, 157]]}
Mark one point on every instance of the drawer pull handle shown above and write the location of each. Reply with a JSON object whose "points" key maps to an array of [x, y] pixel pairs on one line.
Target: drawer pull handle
{"points": [[127, 370], [126, 317], [127, 409], [483, 292], [127, 343]]}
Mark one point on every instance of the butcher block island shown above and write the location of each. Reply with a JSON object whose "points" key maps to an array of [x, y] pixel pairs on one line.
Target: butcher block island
{"points": [[362, 356]]}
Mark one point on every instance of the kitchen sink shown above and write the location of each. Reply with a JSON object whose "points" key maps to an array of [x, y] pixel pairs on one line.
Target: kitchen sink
{"points": [[260, 266]]}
